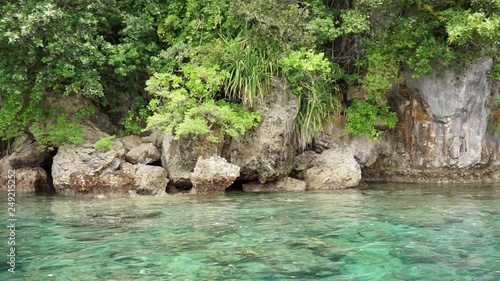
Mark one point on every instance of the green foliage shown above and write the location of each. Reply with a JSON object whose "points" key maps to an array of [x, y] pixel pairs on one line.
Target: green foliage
{"points": [[193, 22], [473, 28], [185, 105], [495, 72], [364, 115], [105, 144], [57, 133], [197, 54], [311, 77], [135, 121], [249, 69], [94, 49]]}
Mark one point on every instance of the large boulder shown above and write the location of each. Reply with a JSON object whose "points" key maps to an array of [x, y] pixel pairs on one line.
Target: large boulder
{"points": [[364, 149], [285, 184], [84, 160], [130, 142], [156, 138], [267, 153], [91, 133], [150, 180], [303, 162], [211, 176], [443, 121], [26, 155], [145, 153], [127, 180], [27, 180], [26, 161], [179, 156], [334, 168]]}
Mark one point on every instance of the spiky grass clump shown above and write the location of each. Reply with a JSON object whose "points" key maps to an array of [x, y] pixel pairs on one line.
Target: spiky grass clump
{"points": [[312, 80], [250, 70], [315, 108]]}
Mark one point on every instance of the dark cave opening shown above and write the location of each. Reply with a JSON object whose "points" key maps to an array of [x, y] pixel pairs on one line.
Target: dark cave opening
{"points": [[48, 186], [237, 186], [156, 163]]}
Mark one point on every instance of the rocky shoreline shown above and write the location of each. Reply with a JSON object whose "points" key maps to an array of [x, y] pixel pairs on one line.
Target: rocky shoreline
{"points": [[441, 137]]}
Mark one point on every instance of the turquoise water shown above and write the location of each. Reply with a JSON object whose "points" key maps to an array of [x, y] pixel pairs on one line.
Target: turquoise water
{"points": [[388, 232]]}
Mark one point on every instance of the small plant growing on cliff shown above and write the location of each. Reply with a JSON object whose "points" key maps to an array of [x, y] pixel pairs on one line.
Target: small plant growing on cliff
{"points": [[312, 79], [105, 144], [363, 116]]}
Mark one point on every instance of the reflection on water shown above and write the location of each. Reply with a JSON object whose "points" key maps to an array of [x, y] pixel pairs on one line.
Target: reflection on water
{"points": [[386, 232]]}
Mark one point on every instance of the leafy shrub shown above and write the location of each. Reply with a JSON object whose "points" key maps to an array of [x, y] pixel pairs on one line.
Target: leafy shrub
{"points": [[364, 115], [249, 68], [311, 77], [57, 133], [105, 144], [185, 105], [136, 119]]}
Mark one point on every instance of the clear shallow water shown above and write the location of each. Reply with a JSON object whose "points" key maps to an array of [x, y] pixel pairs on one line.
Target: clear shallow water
{"points": [[389, 232]]}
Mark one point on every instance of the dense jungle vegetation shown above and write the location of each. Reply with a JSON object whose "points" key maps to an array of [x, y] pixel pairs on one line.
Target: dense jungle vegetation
{"points": [[198, 68]]}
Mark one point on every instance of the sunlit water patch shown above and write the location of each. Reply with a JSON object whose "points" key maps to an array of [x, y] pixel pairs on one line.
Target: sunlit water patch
{"points": [[389, 232]]}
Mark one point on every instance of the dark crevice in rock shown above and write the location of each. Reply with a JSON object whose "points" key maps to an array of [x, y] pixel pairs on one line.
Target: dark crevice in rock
{"points": [[156, 163], [237, 186], [48, 186], [173, 189]]}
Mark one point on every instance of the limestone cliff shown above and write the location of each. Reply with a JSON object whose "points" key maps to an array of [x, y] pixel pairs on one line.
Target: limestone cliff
{"points": [[442, 133]]}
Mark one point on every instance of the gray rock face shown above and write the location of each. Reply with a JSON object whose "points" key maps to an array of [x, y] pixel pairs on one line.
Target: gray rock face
{"points": [[84, 160], [456, 104], [335, 168], [130, 142], [28, 180], [26, 155], [155, 138], [178, 158], [285, 184], [91, 133], [364, 149], [303, 162], [145, 153], [267, 153], [443, 119], [213, 175], [150, 180]]}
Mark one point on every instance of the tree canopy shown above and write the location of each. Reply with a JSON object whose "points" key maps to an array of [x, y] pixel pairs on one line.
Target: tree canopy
{"points": [[197, 67]]}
